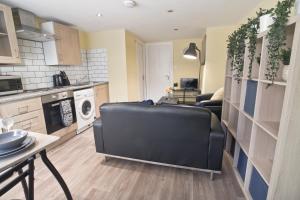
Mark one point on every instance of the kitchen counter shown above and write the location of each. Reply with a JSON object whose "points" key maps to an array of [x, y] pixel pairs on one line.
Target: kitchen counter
{"points": [[32, 94]]}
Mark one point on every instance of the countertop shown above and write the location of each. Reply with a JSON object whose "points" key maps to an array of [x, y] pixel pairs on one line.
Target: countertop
{"points": [[32, 94]]}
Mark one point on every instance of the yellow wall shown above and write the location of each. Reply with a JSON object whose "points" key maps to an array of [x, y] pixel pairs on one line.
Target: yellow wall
{"points": [[214, 70], [83, 39], [184, 68], [114, 42], [216, 48], [133, 72]]}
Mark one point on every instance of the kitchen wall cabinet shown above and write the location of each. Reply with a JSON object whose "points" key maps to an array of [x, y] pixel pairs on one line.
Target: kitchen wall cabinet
{"points": [[9, 50], [65, 49], [101, 97], [27, 114]]}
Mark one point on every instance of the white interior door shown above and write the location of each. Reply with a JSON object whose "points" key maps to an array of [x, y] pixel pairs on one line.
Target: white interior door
{"points": [[159, 69], [140, 54]]}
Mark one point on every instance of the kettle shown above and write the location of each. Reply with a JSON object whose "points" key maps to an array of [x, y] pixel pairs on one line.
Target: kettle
{"points": [[57, 80]]}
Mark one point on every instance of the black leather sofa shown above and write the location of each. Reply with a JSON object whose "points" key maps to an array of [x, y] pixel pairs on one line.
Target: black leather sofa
{"points": [[214, 105], [173, 135]]}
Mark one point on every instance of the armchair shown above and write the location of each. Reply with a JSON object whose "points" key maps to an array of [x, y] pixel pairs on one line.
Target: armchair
{"points": [[214, 105]]}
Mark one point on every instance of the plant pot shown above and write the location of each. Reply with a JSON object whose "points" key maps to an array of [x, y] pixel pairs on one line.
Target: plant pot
{"points": [[285, 72], [297, 7], [264, 22]]}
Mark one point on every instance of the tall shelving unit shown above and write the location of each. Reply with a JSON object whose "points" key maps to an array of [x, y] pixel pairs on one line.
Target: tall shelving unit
{"points": [[252, 116]]}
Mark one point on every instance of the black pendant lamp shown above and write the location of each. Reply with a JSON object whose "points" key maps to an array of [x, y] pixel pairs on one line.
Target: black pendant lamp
{"points": [[191, 52]]}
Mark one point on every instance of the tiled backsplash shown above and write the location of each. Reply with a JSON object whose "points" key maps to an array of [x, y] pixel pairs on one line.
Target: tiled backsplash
{"points": [[35, 74]]}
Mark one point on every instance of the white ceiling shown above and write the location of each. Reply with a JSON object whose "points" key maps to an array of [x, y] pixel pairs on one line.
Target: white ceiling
{"points": [[149, 20]]}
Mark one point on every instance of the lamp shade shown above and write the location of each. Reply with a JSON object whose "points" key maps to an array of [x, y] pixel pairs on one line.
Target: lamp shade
{"points": [[191, 52]]}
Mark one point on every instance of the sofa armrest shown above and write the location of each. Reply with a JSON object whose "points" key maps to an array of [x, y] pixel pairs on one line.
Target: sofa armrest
{"points": [[207, 103], [98, 135], [216, 144], [203, 97]]}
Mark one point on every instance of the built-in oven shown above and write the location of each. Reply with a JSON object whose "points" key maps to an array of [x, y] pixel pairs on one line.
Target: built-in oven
{"points": [[52, 110], [10, 85]]}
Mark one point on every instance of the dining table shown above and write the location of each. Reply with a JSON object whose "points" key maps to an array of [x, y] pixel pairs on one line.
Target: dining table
{"points": [[16, 168]]}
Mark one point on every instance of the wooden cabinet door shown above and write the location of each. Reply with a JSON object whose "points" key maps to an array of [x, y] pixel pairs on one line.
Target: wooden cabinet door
{"points": [[67, 44], [101, 97], [9, 51]]}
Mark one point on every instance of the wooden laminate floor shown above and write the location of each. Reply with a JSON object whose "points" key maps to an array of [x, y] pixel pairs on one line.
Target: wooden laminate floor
{"points": [[89, 177]]}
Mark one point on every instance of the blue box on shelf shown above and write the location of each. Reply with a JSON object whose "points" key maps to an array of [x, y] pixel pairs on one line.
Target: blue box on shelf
{"points": [[242, 164], [250, 97], [257, 188]]}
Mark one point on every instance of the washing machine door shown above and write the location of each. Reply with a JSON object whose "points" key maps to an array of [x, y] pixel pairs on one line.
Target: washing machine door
{"points": [[86, 109]]}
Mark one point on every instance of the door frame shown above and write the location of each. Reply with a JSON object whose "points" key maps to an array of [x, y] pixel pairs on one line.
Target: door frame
{"points": [[142, 70], [171, 69]]}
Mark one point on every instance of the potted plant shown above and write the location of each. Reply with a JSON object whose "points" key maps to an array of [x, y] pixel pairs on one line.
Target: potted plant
{"points": [[276, 37], [252, 31], [285, 59], [265, 20]]}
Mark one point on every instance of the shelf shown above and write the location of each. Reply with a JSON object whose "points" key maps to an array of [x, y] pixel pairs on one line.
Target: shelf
{"points": [[246, 115], [270, 103], [270, 127], [281, 83], [263, 167], [225, 111], [235, 93], [244, 132], [262, 154], [236, 105], [227, 88]]}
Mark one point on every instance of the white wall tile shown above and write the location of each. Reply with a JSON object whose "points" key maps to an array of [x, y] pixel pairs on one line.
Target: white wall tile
{"points": [[36, 74]]}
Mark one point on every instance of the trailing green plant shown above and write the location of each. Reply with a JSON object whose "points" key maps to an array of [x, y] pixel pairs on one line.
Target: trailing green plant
{"points": [[258, 60], [285, 56], [277, 36], [236, 50], [252, 31]]}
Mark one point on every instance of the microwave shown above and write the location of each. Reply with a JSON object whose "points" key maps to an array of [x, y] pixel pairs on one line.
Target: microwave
{"points": [[10, 85]]}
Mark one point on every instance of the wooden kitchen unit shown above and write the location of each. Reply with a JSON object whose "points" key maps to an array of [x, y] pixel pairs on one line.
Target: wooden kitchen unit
{"points": [[65, 49], [27, 114], [101, 96], [9, 51]]}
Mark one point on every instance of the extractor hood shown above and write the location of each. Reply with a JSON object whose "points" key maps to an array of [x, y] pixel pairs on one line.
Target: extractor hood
{"points": [[27, 26]]}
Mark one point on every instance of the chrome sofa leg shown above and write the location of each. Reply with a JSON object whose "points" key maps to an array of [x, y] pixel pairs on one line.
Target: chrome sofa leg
{"points": [[212, 176]]}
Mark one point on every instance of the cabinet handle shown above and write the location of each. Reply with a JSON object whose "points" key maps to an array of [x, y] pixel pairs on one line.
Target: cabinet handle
{"points": [[22, 110]]}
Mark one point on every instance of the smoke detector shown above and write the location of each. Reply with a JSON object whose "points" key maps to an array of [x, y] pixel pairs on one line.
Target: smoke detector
{"points": [[129, 3]]}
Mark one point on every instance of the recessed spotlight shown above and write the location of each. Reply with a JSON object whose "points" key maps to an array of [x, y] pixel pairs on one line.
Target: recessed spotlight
{"points": [[170, 11], [176, 29], [99, 15], [129, 3]]}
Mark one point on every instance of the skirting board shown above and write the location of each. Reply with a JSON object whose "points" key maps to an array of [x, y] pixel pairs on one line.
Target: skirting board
{"points": [[164, 164]]}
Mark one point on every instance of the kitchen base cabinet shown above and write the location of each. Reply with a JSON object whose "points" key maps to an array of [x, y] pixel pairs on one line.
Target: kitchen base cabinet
{"points": [[27, 114], [101, 96]]}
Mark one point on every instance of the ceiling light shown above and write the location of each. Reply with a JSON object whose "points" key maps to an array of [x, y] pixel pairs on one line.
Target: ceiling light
{"points": [[99, 15], [129, 3], [170, 11], [176, 29]]}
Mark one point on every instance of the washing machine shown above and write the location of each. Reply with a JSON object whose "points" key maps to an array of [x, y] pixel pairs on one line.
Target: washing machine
{"points": [[85, 108]]}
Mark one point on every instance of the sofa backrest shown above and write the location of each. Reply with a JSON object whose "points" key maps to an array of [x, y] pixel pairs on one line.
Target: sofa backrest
{"points": [[157, 132]]}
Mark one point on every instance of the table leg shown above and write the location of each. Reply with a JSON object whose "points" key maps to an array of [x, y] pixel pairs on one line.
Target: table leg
{"points": [[24, 184], [56, 174], [31, 180]]}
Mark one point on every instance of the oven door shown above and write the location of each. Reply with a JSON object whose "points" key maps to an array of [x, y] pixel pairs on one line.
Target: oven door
{"points": [[52, 115]]}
